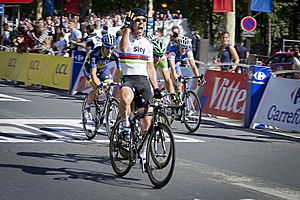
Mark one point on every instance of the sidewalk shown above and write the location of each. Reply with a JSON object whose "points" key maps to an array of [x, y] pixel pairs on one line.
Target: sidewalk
{"points": [[240, 124]]}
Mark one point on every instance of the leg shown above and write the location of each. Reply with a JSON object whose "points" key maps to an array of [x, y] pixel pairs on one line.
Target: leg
{"points": [[127, 96]]}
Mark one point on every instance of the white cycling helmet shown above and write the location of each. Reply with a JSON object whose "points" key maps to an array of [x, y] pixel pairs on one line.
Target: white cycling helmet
{"points": [[184, 41]]}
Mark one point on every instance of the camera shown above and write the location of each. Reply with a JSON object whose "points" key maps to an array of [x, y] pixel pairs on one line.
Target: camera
{"points": [[175, 35]]}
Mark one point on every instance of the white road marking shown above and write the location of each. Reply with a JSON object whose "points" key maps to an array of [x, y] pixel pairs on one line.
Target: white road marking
{"points": [[54, 130], [241, 180], [4, 97]]}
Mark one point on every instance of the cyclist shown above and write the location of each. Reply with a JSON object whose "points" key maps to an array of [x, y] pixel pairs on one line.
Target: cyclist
{"points": [[180, 56], [97, 70], [161, 64], [136, 58]]}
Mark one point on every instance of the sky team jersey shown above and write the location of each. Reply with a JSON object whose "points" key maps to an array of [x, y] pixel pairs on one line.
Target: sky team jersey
{"points": [[180, 59], [96, 59], [134, 60]]}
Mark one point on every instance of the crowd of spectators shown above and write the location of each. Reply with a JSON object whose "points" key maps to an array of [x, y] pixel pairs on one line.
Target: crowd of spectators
{"points": [[57, 32]]}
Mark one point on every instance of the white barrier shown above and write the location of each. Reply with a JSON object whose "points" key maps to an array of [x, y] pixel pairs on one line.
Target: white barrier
{"points": [[280, 105]]}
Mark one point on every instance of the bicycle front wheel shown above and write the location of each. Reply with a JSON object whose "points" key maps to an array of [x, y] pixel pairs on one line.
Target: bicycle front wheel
{"points": [[192, 112], [111, 115], [92, 122], [160, 160], [119, 151]]}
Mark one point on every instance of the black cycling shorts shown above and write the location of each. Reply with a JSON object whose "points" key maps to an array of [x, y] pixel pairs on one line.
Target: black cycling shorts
{"points": [[141, 87]]}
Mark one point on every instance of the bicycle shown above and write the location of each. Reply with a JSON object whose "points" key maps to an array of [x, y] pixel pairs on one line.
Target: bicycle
{"points": [[188, 109], [104, 112], [159, 141]]}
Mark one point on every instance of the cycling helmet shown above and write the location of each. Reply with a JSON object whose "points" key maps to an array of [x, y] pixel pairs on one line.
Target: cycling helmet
{"points": [[184, 41], [159, 47], [150, 37], [139, 12], [108, 40]]}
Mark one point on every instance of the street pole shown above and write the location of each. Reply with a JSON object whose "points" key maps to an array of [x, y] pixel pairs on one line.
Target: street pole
{"points": [[248, 41]]}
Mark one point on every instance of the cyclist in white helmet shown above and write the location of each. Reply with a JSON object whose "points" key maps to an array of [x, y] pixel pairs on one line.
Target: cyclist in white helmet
{"points": [[180, 56]]}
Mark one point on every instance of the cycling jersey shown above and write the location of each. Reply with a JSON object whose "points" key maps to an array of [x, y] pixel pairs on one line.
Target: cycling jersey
{"points": [[97, 59], [92, 40], [162, 64], [181, 60], [134, 60]]}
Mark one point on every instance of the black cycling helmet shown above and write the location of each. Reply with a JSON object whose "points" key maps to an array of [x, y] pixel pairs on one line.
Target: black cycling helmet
{"points": [[139, 12]]}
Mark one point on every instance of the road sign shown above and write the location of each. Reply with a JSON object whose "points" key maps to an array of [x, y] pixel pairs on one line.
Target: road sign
{"points": [[248, 34], [248, 23]]}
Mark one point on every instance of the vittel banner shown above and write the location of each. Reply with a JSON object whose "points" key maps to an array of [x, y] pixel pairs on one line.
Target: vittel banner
{"points": [[280, 105], [225, 94]]}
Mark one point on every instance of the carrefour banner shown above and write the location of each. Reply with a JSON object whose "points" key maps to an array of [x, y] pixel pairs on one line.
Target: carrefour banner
{"points": [[225, 94], [280, 105]]}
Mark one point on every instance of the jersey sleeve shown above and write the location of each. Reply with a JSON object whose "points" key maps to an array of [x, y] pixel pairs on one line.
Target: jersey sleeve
{"points": [[171, 56], [190, 55]]}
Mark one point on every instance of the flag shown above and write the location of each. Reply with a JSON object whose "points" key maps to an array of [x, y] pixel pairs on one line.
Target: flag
{"points": [[223, 6], [72, 6], [49, 7], [261, 5]]}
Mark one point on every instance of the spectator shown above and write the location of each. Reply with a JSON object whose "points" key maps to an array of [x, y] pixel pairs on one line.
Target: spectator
{"points": [[6, 38], [74, 37], [195, 38], [227, 54], [174, 35], [243, 54], [39, 36], [60, 44]]}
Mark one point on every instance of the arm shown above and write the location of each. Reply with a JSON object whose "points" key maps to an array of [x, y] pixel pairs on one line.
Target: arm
{"points": [[123, 46], [194, 67], [152, 75], [235, 57]]}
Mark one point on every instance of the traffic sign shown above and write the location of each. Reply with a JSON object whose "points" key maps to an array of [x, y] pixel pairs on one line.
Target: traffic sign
{"points": [[248, 34], [248, 23]]}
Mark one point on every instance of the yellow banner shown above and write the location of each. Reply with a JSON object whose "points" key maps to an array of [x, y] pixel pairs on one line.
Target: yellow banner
{"points": [[34, 68], [11, 65], [58, 73]]}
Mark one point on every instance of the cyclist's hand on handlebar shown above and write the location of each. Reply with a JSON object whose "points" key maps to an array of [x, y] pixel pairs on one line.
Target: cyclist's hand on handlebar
{"points": [[157, 93], [201, 80]]}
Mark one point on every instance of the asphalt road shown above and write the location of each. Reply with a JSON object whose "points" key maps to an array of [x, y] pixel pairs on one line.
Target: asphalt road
{"points": [[44, 155]]}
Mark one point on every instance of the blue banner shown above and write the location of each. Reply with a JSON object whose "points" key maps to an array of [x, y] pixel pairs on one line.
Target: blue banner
{"points": [[78, 59], [261, 5], [1, 8], [49, 7]]}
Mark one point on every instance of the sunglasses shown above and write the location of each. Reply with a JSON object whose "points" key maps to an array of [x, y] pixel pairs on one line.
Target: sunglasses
{"points": [[158, 55], [140, 20], [109, 47]]}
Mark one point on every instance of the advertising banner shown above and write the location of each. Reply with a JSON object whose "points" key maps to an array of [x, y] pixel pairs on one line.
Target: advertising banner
{"points": [[34, 68], [280, 105], [78, 59], [225, 94], [58, 73], [11, 65]]}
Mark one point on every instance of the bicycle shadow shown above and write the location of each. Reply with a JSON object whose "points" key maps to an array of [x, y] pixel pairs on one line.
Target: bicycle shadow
{"points": [[69, 173]]}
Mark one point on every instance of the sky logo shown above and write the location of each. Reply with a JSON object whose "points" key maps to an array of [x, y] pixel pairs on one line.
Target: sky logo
{"points": [[295, 96]]}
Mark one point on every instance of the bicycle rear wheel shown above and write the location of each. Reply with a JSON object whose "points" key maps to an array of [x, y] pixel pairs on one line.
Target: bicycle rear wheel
{"points": [[119, 151], [160, 155], [90, 126], [192, 112], [111, 115]]}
